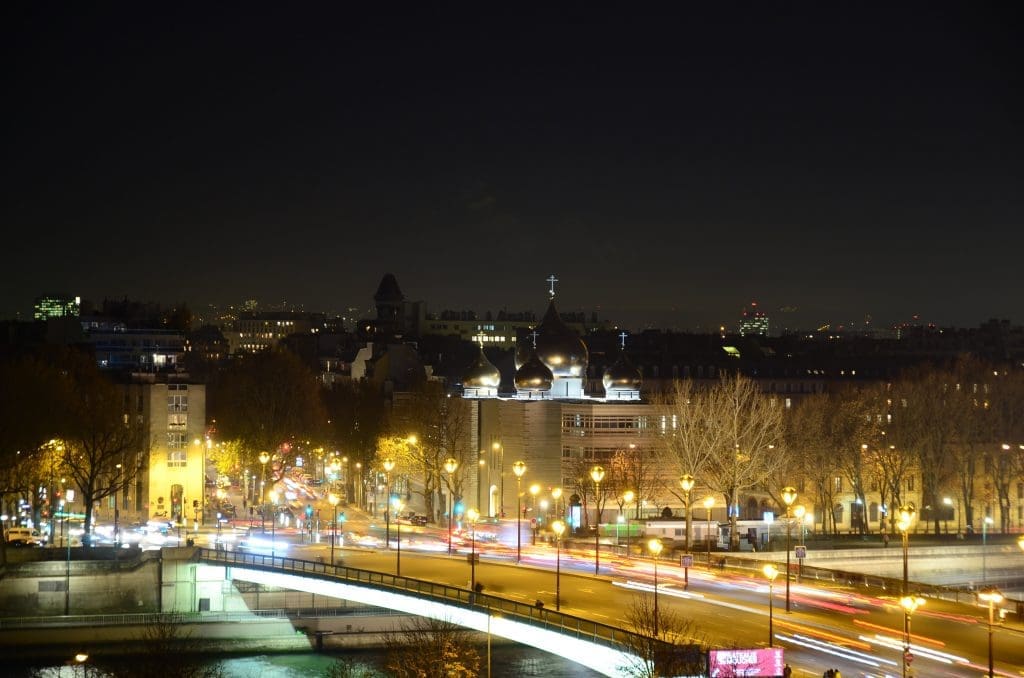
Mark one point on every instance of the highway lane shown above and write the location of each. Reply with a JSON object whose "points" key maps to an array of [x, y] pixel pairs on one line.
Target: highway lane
{"points": [[828, 628]]}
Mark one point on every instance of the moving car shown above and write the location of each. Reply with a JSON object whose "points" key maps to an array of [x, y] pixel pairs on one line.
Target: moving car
{"points": [[22, 536]]}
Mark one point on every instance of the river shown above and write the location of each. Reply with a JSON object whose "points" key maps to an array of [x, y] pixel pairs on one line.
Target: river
{"points": [[506, 661]]}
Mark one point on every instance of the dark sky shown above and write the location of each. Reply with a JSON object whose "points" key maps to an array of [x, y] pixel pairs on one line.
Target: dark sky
{"points": [[833, 159]]}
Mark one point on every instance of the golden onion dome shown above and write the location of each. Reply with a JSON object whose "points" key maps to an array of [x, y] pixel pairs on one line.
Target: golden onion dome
{"points": [[482, 373], [559, 347], [622, 375], [533, 375]]}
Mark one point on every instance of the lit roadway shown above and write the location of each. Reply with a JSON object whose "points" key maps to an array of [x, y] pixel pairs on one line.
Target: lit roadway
{"points": [[827, 628]]}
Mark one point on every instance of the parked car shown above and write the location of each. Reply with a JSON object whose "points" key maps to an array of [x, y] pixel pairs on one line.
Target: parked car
{"points": [[418, 519]]}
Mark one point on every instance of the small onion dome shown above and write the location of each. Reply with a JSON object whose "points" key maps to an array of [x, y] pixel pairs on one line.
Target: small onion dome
{"points": [[533, 375], [524, 349], [621, 375], [559, 347], [482, 374]]}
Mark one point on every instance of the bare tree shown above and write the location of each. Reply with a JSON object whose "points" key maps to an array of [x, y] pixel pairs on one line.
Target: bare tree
{"points": [[103, 445], [431, 648], [746, 454], [666, 643]]}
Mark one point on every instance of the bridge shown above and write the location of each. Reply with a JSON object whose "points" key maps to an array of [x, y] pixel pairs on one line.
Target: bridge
{"points": [[606, 649]]}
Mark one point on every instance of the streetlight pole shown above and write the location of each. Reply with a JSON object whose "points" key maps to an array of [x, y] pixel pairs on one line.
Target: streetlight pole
{"points": [[627, 497], [398, 527], [991, 596], [686, 482], [450, 465], [264, 458], [654, 546], [389, 466], [788, 497], [986, 521], [534, 490], [906, 517], [597, 474], [709, 501], [909, 605], [334, 499], [273, 522], [799, 512], [558, 527], [472, 515], [519, 468], [771, 572]]}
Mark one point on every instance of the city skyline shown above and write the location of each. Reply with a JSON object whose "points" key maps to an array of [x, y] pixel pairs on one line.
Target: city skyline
{"points": [[830, 163]]}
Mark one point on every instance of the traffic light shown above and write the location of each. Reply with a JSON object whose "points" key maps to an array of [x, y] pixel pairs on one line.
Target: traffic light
{"points": [[309, 510]]}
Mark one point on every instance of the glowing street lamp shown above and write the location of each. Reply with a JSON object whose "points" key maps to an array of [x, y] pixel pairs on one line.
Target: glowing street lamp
{"points": [[264, 458], [450, 465], [654, 546], [686, 482], [788, 497], [909, 605], [389, 466], [771, 572], [558, 527], [709, 502], [597, 474], [906, 517], [519, 468], [334, 500], [993, 597]]}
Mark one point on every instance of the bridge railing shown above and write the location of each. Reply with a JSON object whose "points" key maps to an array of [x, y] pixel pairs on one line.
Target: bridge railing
{"points": [[534, 615]]}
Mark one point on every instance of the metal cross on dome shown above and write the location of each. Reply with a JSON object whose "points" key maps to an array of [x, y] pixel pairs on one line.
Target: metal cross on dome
{"points": [[534, 335], [622, 340], [552, 279]]}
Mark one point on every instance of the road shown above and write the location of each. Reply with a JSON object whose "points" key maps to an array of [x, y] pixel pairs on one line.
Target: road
{"points": [[827, 627]]}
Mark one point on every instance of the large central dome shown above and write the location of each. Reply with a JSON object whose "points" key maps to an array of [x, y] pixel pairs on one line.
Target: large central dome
{"points": [[559, 347]]}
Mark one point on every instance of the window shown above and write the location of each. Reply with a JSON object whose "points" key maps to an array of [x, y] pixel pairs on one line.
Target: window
{"points": [[176, 440], [910, 483], [177, 458], [837, 484], [177, 403], [177, 421]]}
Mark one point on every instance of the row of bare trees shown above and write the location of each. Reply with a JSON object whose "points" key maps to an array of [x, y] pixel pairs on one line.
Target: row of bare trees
{"points": [[946, 427]]}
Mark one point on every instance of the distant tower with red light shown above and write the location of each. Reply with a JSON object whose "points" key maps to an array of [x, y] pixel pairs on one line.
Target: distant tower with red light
{"points": [[754, 321]]}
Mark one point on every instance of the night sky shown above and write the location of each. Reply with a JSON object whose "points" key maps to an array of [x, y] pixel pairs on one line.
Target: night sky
{"points": [[836, 160]]}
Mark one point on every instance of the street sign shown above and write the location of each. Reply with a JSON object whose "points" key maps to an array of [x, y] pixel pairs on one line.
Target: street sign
{"points": [[908, 658], [801, 551], [686, 561]]}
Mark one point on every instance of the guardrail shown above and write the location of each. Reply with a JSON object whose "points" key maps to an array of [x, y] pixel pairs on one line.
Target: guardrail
{"points": [[137, 619], [533, 615]]}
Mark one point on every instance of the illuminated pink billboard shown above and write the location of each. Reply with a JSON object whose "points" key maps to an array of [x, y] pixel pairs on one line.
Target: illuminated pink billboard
{"points": [[767, 663]]}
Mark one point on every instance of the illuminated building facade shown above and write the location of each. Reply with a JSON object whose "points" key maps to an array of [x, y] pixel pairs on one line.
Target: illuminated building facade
{"points": [[56, 306]]}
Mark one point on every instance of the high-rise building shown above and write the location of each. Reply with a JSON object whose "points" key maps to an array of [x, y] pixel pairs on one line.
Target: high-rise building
{"points": [[56, 306], [754, 321]]}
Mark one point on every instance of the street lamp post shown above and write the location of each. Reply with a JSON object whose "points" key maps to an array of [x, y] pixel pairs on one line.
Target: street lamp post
{"points": [[909, 605], [389, 466], [534, 491], [334, 499], [558, 527], [556, 494], [627, 498], [273, 522], [993, 597], [654, 546], [986, 521], [709, 502], [686, 482], [597, 474], [398, 536], [450, 465], [788, 497], [799, 512], [264, 458], [472, 515], [519, 468], [771, 572], [906, 517]]}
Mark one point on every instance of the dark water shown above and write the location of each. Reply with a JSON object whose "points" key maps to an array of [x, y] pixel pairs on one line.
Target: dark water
{"points": [[506, 660]]}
